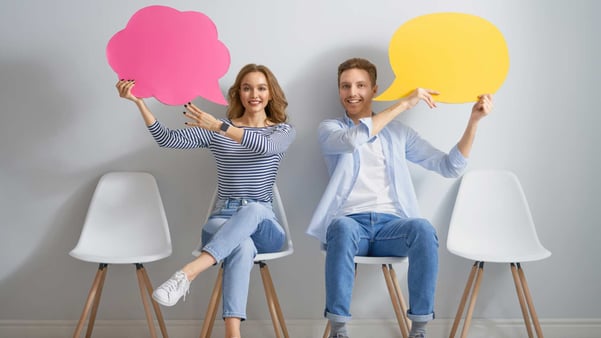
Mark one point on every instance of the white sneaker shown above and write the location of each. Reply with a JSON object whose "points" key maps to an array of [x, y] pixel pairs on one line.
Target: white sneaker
{"points": [[172, 290]]}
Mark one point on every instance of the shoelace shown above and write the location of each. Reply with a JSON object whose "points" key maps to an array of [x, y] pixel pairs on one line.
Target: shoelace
{"points": [[174, 283]]}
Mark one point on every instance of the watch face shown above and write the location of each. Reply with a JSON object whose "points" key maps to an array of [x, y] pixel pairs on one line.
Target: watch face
{"points": [[224, 126]]}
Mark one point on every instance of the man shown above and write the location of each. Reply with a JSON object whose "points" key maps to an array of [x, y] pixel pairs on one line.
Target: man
{"points": [[369, 206]]}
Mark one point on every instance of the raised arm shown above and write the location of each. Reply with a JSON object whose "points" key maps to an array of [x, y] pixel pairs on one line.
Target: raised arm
{"points": [[380, 120], [480, 109], [124, 87], [207, 121]]}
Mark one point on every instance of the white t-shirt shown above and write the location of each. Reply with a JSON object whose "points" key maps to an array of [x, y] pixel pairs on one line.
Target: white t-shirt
{"points": [[372, 191]]}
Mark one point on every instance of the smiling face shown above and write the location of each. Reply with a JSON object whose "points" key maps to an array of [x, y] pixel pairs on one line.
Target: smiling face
{"points": [[254, 93], [356, 93]]}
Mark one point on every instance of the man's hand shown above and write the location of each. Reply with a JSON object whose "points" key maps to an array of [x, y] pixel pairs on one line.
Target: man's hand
{"points": [[483, 107], [421, 94]]}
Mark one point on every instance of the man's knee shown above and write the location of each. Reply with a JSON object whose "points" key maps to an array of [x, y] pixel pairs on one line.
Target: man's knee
{"points": [[424, 230], [342, 228]]}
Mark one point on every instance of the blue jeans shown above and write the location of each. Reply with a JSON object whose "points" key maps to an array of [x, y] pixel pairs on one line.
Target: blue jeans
{"points": [[236, 231], [376, 234]]}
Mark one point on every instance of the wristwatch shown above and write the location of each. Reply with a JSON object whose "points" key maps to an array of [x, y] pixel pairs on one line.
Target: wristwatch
{"points": [[223, 128]]}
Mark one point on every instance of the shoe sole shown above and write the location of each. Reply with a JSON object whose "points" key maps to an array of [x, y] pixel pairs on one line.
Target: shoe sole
{"points": [[164, 303]]}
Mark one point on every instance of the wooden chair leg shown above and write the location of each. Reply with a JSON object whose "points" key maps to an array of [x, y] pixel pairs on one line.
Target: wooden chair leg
{"points": [[268, 285], [537, 327], [207, 325], [92, 319], [474, 296], [92, 301], [394, 300], [466, 293], [472, 287], [269, 297], [147, 312], [520, 294], [155, 305], [326, 332], [400, 297]]}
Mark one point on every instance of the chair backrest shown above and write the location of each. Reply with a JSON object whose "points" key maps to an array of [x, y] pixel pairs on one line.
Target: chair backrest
{"points": [[126, 221], [491, 220], [280, 213]]}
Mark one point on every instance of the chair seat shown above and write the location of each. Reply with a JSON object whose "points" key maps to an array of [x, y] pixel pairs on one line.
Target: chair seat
{"points": [[374, 259], [273, 255], [379, 260], [496, 256], [118, 258], [262, 256]]}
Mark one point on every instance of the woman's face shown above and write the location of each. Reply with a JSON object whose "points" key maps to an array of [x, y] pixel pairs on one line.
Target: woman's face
{"points": [[254, 93]]}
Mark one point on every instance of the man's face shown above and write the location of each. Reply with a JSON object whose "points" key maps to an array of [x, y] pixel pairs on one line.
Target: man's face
{"points": [[356, 93]]}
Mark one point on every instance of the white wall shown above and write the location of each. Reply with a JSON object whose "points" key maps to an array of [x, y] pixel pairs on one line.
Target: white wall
{"points": [[63, 125]]}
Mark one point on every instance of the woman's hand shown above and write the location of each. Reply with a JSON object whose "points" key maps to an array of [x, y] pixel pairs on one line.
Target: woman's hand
{"points": [[124, 87], [200, 118]]}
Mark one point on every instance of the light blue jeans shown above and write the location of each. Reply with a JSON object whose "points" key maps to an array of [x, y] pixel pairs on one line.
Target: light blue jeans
{"points": [[376, 234], [236, 231]]}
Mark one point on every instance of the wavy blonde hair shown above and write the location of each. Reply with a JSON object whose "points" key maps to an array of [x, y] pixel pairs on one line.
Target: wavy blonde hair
{"points": [[276, 107]]}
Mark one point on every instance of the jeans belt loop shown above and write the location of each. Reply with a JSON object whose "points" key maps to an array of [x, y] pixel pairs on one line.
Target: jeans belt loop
{"points": [[236, 202]]}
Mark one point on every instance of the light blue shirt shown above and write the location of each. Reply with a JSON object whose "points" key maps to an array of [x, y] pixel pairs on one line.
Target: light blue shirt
{"points": [[340, 139]]}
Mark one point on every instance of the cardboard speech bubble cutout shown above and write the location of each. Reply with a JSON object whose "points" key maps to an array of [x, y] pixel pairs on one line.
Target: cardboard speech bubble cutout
{"points": [[173, 56], [459, 55]]}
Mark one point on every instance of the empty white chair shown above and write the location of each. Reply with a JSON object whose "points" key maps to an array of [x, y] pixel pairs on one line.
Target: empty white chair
{"points": [[125, 224], [277, 317], [491, 222]]}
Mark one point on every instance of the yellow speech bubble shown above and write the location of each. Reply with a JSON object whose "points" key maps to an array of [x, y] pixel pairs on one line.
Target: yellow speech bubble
{"points": [[459, 55]]}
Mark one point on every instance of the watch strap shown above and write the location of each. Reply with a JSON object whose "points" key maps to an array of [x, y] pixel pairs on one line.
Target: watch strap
{"points": [[223, 128]]}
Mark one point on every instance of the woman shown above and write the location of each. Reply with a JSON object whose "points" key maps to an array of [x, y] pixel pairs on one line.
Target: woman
{"points": [[248, 147]]}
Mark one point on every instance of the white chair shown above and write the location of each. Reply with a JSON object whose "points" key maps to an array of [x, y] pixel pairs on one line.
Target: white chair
{"points": [[491, 222], [125, 224], [277, 317], [394, 290]]}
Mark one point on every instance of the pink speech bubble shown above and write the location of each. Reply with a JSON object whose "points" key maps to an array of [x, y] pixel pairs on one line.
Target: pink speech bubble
{"points": [[174, 56]]}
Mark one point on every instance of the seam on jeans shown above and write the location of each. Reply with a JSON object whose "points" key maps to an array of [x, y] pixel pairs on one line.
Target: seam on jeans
{"points": [[377, 238]]}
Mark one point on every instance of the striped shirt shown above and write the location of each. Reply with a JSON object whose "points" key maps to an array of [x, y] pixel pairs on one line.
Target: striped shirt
{"points": [[244, 170]]}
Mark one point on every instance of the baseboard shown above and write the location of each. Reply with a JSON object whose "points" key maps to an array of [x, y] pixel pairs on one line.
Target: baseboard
{"points": [[440, 328]]}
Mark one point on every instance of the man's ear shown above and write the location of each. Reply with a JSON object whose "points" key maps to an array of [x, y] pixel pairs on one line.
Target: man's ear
{"points": [[375, 89]]}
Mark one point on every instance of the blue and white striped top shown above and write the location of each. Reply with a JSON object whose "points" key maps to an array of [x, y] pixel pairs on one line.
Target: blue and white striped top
{"points": [[244, 170]]}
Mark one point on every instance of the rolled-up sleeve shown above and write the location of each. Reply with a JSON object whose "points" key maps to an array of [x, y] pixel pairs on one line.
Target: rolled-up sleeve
{"points": [[421, 152]]}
